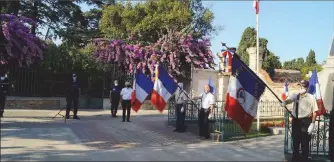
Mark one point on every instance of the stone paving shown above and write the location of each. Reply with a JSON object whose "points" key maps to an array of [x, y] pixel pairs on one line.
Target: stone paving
{"points": [[33, 135]]}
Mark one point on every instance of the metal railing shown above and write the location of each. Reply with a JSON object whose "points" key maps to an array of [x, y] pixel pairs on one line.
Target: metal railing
{"points": [[40, 82], [221, 123]]}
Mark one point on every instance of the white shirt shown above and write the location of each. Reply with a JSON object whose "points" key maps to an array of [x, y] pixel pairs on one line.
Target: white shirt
{"points": [[307, 105], [180, 97], [126, 93], [207, 100]]}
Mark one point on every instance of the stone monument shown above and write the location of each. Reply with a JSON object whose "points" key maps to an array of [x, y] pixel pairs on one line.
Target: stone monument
{"points": [[326, 79], [252, 58]]}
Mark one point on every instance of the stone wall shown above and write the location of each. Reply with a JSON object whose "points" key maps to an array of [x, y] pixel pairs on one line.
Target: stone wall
{"points": [[34, 102]]}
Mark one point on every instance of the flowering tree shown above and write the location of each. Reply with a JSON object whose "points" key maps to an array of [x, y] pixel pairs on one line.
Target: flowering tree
{"points": [[21, 45], [175, 50]]}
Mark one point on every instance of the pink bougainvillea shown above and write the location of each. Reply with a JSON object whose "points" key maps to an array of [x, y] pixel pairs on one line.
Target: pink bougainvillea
{"points": [[175, 51], [20, 45]]}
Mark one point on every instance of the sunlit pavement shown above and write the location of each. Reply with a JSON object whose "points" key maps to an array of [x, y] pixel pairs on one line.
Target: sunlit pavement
{"points": [[33, 135]]}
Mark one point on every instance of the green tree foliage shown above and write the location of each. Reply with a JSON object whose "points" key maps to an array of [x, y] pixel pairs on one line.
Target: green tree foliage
{"points": [[248, 39], [52, 14], [271, 63], [150, 20], [294, 64], [305, 70], [304, 67], [310, 59]]}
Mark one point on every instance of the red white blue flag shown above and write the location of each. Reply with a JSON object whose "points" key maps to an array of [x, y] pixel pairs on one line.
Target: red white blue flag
{"points": [[142, 87], [285, 93], [164, 87], [244, 91], [314, 88]]}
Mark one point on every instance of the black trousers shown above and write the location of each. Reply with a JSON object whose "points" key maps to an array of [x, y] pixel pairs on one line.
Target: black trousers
{"points": [[114, 106], [301, 137], [2, 103], [72, 100], [126, 105], [203, 118], [331, 136], [180, 117]]}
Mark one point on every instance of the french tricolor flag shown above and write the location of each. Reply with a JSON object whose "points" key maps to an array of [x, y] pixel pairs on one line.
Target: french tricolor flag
{"points": [[244, 91], [314, 89], [285, 94], [142, 87], [164, 88]]}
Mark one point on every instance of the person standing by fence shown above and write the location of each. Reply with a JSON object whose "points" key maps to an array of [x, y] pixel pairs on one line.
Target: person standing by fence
{"points": [[126, 101], [115, 97], [207, 108], [4, 89], [180, 101], [73, 93], [304, 112]]}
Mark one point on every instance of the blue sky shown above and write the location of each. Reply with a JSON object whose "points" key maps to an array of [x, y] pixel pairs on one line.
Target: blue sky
{"points": [[292, 28]]}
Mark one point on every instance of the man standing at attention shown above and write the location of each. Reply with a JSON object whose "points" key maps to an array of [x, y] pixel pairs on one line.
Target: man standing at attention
{"points": [[115, 96], [304, 112], [72, 98], [180, 100], [207, 108], [126, 101]]}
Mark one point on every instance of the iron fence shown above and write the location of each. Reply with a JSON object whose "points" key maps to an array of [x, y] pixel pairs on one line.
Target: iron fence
{"points": [[221, 123], [37, 81]]}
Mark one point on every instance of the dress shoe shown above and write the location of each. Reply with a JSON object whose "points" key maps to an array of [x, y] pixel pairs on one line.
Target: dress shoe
{"points": [[76, 117]]}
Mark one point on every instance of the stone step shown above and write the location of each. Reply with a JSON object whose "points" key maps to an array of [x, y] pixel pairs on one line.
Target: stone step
{"points": [[277, 130]]}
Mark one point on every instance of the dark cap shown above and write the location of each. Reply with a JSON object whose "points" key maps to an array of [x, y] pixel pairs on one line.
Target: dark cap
{"points": [[304, 83]]}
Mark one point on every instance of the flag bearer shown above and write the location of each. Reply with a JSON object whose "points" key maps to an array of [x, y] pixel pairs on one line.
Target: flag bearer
{"points": [[304, 112], [4, 88], [207, 108], [126, 101], [72, 97], [180, 101], [115, 97]]}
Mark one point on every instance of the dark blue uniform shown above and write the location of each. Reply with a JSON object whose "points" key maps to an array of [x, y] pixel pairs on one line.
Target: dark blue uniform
{"points": [[73, 93], [115, 95], [4, 89]]}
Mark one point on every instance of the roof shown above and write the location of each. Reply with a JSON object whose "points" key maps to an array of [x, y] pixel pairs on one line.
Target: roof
{"points": [[286, 71], [331, 50]]}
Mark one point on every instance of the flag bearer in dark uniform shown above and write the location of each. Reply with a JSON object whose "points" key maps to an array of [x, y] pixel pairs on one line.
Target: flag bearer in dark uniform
{"points": [[304, 112], [115, 96], [73, 97], [4, 88]]}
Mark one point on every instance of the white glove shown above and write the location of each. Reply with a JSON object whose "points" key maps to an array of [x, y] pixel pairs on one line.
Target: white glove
{"points": [[210, 116], [283, 104], [310, 128], [182, 109]]}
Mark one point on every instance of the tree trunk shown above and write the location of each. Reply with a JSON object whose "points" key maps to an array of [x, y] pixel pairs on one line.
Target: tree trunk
{"points": [[34, 16]]}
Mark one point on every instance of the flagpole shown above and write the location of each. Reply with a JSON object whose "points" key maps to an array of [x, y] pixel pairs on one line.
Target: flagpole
{"points": [[257, 60]]}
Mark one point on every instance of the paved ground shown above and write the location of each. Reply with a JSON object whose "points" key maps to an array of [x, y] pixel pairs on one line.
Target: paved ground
{"points": [[33, 135]]}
